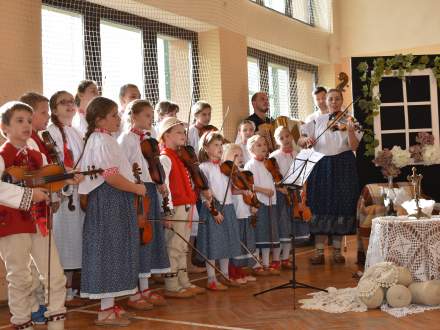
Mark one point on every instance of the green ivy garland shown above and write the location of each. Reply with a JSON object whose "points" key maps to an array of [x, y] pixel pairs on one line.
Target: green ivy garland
{"points": [[397, 66]]}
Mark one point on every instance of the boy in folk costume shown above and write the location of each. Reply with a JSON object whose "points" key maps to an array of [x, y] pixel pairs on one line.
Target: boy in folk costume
{"points": [[183, 200], [21, 237]]}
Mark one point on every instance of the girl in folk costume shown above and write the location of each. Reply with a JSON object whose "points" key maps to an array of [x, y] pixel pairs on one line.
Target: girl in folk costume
{"points": [[87, 90], [183, 199], [110, 266], [233, 152], [21, 235], [128, 93], [246, 129], [266, 231], [332, 187], [201, 111], [153, 256], [67, 222], [285, 156], [218, 238]]}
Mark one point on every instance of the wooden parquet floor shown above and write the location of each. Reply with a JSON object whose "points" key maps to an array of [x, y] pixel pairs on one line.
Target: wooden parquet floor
{"points": [[237, 308]]}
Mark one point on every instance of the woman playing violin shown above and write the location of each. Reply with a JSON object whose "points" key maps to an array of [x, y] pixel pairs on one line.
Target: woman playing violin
{"points": [[333, 188]]}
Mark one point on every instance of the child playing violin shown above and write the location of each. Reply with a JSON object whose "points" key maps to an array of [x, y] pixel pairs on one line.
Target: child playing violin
{"points": [[153, 256], [285, 155], [266, 231], [218, 238], [20, 236], [183, 200], [110, 266], [68, 220], [40, 119], [243, 211], [201, 111]]}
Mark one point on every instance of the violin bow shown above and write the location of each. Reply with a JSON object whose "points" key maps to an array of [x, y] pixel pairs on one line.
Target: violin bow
{"points": [[229, 183], [189, 119], [224, 119], [199, 253], [49, 255]]}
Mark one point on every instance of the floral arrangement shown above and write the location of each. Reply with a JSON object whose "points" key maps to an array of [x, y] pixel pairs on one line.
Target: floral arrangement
{"points": [[425, 151], [391, 161]]}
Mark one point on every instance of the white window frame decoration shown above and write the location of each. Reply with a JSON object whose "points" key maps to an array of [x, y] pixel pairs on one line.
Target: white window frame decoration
{"points": [[434, 130]]}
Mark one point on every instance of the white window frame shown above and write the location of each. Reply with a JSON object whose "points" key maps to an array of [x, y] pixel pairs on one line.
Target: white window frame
{"points": [[434, 130], [279, 67], [251, 92]]}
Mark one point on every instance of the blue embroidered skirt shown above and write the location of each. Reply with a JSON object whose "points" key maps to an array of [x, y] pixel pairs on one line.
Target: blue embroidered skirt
{"points": [[110, 264], [247, 237], [154, 256], [332, 194], [266, 232], [218, 241]]}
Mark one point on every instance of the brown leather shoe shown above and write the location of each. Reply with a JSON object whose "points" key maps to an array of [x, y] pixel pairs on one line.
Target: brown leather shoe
{"points": [[226, 282], [338, 259], [260, 271], [140, 304], [317, 259], [196, 289], [181, 294]]}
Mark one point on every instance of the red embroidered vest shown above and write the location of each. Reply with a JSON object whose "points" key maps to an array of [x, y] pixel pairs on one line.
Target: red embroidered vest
{"points": [[14, 221], [181, 190]]}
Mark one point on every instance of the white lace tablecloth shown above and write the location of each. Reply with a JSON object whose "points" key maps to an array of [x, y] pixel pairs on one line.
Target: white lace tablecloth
{"points": [[412, 243]]}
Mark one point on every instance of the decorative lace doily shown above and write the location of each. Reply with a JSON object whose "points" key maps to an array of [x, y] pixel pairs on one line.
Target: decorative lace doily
{"points": [[347, 300], [414, 244], [334, 301], [408, 310]]}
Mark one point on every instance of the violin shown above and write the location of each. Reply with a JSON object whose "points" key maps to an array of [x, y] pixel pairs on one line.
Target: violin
{"points": [[51, 177], [241, 180], [339, 122], [52, 149], [207, 128], [150, 151], [271, 165], [189, 159], [300, 209], [142, 205]]}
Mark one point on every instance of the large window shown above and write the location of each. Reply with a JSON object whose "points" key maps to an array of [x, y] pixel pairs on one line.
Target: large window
{"points": [[62, 50], [122, 61], [278, 90], [305, 82], [407, 107], [278, 5], [253, 79], [174, 63], [313, 12]]}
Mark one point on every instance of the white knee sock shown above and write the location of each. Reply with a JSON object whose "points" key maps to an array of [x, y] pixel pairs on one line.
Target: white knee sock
{"points": [[265, 252], [107, 303], [337, 242], [257, 255], [285, 248], [224, 266], [211, 271], [276, 252], [143, 284]]}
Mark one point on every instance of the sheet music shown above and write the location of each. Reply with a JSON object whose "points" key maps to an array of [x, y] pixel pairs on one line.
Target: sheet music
{"points": [[302, 166]]}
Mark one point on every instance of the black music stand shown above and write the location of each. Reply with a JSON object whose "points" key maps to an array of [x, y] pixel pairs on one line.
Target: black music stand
{"points": [[299, 174]]}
